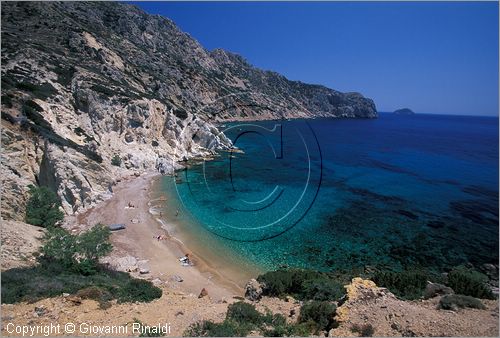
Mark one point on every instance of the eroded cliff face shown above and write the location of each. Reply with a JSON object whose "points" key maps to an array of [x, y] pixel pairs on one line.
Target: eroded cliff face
{"points": [[83, 82]]}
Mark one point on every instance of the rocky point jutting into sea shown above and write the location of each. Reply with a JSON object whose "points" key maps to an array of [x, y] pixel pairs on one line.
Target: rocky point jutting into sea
{"points": [[83, 82]]}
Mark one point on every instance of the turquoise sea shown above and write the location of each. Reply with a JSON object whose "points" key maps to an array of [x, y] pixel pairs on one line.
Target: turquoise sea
{"points": [[342, 194]]}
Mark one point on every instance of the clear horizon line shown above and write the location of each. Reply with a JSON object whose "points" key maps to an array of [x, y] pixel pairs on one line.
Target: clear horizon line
{"points": [[444, 114]]}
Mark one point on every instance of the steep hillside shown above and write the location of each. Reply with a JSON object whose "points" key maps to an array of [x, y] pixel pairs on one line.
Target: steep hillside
{"points": [[85, 82]]}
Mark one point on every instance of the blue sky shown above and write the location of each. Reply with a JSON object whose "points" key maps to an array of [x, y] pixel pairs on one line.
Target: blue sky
{"points": [[433, 57]]}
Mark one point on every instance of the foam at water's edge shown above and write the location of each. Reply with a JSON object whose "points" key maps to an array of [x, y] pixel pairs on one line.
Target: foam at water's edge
{"points": [[211, 264]]}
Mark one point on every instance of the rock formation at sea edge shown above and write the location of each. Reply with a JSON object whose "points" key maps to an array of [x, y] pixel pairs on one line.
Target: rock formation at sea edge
{"points": [[84, 82], [404, 111]]}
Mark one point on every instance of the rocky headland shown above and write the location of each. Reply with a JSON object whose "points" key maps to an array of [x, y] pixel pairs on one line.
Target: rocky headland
{"points": [[83, 83]]}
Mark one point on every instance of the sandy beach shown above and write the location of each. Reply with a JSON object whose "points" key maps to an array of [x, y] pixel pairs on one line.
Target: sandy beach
{"points": [[139, 239], [180, 304]]}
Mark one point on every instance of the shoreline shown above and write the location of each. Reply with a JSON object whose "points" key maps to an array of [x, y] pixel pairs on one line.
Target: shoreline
{"points": [[138, 239], [186, 230]]}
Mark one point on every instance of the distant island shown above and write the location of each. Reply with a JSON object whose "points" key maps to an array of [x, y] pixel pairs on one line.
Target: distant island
{"points": [[404, 111]]}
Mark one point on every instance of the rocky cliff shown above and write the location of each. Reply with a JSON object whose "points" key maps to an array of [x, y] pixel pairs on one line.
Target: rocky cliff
{"points": [[85, 82]]}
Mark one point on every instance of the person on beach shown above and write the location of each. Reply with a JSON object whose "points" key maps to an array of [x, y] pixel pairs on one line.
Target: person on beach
{"points": [[185, 260], [177, 213]]}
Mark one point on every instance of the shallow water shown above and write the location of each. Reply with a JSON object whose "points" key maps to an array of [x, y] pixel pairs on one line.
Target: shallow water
{"points": [[327, 194]]}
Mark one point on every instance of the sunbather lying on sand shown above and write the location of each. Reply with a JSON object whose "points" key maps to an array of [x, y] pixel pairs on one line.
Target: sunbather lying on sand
{"points": [[185, 261], [159, 237]]}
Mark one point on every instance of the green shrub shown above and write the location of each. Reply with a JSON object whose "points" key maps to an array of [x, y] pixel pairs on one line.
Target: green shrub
{"points": [[51, 279], [99, 294], [79, 253], [42, 208], [301, 329], [323, 289], [409, 284], [242, 318], [454, 302], [289, 330], [59, 247], [273, 319], [69, 264], [139, 290], [277, 283], [227, 328], [242, 312], [319, 313], [301, 284], [277, 331], [365, 330], [116, 160], [92, 245], [470, 283]]}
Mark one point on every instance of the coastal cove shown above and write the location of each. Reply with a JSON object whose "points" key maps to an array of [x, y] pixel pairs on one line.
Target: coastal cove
{"points": [[396, 192], [175, 169], [138, 239]]}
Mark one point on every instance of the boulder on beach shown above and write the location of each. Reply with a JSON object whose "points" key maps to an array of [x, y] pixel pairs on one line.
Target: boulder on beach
{"points": [[253, 290], [176, 278], [203, 293], [115, 227], [435, 289], [124, 263], [157, 282], [143, 266]]}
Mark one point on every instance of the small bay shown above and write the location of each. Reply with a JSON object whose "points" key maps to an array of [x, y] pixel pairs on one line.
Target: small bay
{"points": [[342, 194]]}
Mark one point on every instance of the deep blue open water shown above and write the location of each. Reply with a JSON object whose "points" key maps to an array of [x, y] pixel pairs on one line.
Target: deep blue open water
{"points": [[341, 194]]}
